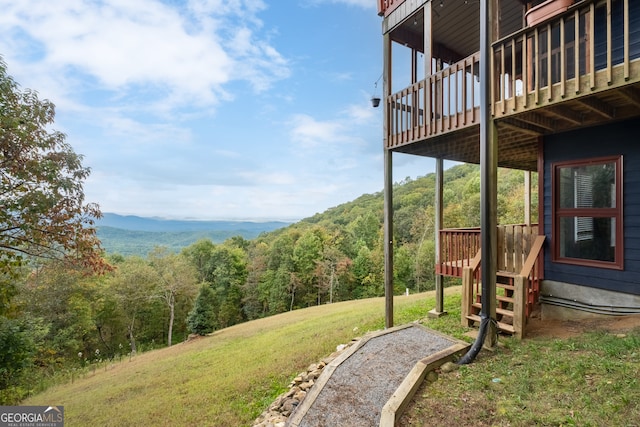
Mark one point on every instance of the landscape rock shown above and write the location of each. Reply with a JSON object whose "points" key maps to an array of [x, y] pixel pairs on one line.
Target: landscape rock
{"points": [[278, 412]]}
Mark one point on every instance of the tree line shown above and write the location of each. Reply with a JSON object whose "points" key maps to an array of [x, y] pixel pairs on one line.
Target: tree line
{"points": [[66, 305]]}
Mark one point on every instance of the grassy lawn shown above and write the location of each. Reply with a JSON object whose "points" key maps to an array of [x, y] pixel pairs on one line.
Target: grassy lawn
{"points": [[591, 379], [228, 378]]}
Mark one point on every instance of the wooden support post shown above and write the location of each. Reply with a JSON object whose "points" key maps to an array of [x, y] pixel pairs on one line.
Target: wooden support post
{"points": [[388, 189], [467, 295], [439, 309], [388, 238], [468, 277], [521, 284], [527, 198], [488, 172]]}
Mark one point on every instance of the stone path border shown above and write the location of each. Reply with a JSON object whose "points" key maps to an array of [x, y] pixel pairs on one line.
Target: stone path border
{"points": [[448, 348]]}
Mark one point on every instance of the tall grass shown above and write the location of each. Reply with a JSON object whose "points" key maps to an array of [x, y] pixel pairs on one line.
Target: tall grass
{"points": [[225, 379], [228, 378]]}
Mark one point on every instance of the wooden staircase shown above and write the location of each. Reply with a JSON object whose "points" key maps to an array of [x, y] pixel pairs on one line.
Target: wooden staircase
{"points": [[517, 287], [504, 308]]}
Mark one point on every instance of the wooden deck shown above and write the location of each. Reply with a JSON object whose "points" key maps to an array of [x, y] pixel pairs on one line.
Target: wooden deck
{"points": [[579, 69]]}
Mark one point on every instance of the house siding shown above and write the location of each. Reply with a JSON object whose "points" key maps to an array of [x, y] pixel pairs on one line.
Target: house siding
{"points": [[609, 140], [617, 36]]}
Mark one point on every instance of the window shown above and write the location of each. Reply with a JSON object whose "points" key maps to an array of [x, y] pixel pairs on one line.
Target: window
{"points": [[587, 212]]}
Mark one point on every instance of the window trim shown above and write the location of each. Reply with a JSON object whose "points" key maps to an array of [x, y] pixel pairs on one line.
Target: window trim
{"points": [[617, 213]]}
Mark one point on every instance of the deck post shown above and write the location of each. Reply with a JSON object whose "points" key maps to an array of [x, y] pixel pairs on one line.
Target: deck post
{"points": [[467, 295], [527, 198], [439, 309], [488, 172], [521, 284], [388, 189], [388, 238]]}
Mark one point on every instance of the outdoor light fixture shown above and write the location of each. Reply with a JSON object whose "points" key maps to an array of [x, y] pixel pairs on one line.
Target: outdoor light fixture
{"points": [[375, 99]]}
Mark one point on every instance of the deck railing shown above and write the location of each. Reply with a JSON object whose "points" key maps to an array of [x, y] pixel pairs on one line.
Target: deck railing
{"points": [[459, 245], [446, 100], [518, 291], [386, 6], [593, 46], [588, 48]]}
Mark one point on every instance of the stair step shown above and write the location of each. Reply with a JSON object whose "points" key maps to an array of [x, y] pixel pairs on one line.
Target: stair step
{"points": [[505, 286], [501, 286], [499, 298], [501, 311], [505, 327]]}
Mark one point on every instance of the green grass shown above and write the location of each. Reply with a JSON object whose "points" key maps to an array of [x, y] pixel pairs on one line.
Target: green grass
{"points": [[589, 380], [226, 379], [230, 377]]}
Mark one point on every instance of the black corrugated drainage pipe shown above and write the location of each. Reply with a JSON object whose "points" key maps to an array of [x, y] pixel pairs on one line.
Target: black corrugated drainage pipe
{"points": [[478, 343]]}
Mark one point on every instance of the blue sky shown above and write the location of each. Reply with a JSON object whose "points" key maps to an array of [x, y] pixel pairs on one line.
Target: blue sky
{"points": [[211, 109]]}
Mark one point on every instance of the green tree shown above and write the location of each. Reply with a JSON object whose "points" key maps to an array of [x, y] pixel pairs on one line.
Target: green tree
{"points": [[307, 253], [202, 318], [176, 279], [64, 299], [41, 191], [366, 228], [133, 286], [19, 343], [255, 300], [200, 255], [230, 276]]}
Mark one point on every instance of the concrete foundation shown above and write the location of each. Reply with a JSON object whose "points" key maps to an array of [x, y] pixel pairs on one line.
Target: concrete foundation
{"points": [[566, 301]]}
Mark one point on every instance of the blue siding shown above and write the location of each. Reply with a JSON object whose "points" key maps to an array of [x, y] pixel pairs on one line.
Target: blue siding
{"points": [[609, 140], [617, 36]]}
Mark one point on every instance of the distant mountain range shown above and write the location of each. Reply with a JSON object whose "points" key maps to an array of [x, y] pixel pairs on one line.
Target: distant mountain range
{"points": [[137, 223], [134, 235]]}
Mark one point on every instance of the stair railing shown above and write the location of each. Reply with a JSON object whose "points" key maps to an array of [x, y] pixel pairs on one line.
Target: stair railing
{"points": [[526, 285]]}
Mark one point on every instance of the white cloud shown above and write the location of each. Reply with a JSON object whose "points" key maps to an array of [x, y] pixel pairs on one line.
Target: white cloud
{"points": [[361, 113], [145, 45], [309, 132], [268, 178], [169, 102]]}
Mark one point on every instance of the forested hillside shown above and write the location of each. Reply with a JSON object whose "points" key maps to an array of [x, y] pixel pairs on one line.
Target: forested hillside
{"points": [[72, 317], [132, 235]]}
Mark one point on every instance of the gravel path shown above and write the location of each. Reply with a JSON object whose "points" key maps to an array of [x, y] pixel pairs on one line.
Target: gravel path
{"points": [[362, 384]]}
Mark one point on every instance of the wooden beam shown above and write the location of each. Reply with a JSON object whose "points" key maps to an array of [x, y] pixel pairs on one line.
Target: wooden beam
{"points": [[538, 120], [521, 126], [598, 106], [631, 94], [566, 114]]}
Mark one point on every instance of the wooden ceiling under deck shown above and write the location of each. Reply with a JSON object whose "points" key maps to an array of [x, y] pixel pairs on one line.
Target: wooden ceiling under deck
{"points": [[518, 134]]}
